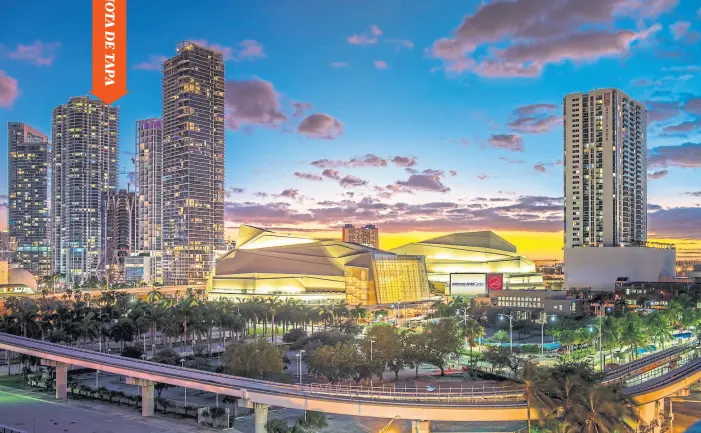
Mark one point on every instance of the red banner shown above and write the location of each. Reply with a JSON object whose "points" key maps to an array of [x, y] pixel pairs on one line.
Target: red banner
{"points": [[109, 49], [495, 281]]}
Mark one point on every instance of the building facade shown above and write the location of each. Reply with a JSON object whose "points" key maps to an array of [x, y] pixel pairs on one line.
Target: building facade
{"points": [[28, 197], [85, 137], [270, 264], [605, 145], [367, 235], [149, 184], [122, 233], [5, 249], [193, 163]]}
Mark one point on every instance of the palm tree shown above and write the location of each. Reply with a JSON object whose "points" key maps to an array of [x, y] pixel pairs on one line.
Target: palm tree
{"points": [[186, 311], [123, 330], [633, 333], [357, 313], [26, 317], [472, 332], [659, 329], [155, 315], [535, 392], [88, 328], [601, 409]]}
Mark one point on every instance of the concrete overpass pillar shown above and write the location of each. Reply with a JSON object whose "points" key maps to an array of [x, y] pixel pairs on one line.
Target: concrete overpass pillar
{"points": [[649, 413], [61, 377], [147, 402], [420, 426], [261, 417]]}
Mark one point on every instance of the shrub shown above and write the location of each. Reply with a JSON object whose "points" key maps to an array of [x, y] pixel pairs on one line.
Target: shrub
{"points": [[294, 335], [132, 352], [167, 356], [313, 421], [217, 412], [199, 350]]}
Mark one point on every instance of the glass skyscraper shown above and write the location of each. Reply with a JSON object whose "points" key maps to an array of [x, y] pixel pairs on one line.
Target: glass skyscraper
{"points": [[193, 163], [28, 197], [84, 175]]}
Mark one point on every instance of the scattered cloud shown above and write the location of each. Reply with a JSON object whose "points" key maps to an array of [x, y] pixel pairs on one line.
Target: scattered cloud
{"points": [[307, 176], [657, 174], [535, 118], [252, 102], [685, 155], [375, 30], [291, 193], [520, 38], [482, 176], [352, 181], [339, 64], [331, 174], [512, 142], [381, 64], [154, 63], [424, 182], [368, 160], [693, 193], [301, 108], [683, 127], [319, 125], [679, 29], [693, 106], [231, 191], [401, 42], [9, 90], [38, 53], [659, 111], [453, 173], [645, 82], [404, 161], [540, 168], [245, 50]]}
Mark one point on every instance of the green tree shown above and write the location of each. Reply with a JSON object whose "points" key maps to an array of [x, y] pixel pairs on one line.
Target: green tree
{"points": [[255, 360], [388, 347], [312, 421], [501, 336], [658, 328], [417, 351], [633, 333], [443, 341], [473, 331], [277, 426], [334, 362], [167, 356], [535, 391]]}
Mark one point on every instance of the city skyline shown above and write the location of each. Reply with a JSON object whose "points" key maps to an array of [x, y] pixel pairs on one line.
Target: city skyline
{"points": [[420, 128]]}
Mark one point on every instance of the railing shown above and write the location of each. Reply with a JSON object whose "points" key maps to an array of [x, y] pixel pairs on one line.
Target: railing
{"points": [[448, 394], [620, 372], [4, 429]]}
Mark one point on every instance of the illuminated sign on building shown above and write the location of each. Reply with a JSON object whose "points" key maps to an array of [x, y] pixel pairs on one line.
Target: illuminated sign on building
{"points": [[495, 281], [468, 284]]}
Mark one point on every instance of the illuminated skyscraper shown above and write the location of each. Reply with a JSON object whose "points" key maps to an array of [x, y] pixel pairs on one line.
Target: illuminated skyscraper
{"points": [[149, 186], [193, 162], [121, 231], [367, 235], [84, 175], [605, 169], [28, 198]]}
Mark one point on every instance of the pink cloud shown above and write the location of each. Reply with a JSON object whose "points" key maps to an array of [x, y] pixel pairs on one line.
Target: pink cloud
{"points": [[381, 64], [657, 174], [339, 64], [9, 90], [307, 176], [154, 63], [246, 50], [404, 161], [252, 101], [319, 125], [512, 142], [539, 168], [679, 29], [361, 40], [375, 30], [39, 53]]}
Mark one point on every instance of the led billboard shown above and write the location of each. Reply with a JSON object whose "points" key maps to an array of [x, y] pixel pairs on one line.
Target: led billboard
{"points": [[468, 285]]}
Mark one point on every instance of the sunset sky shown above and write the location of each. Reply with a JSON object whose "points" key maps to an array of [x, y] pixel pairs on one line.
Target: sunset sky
{"points": [[422, 117]]}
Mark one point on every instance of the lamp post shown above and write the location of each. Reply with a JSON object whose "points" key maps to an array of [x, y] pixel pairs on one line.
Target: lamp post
{"points": [[182, 364], [542, 332], [511, 330], [464, 322], [601, 360], [371, 341], [299, 365]]}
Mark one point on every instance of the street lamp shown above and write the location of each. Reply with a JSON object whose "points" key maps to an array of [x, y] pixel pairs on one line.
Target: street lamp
{"points": [[542, 331], [371, 341], [299, 365], [465, 316], [511, 330], [182, 364], [601, 360]]}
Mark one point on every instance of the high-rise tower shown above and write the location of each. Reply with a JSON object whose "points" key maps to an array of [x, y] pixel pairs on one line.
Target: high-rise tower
{"points": [[193, 162], [28, 198], [149, 186], [84, 175], [605, 165]]}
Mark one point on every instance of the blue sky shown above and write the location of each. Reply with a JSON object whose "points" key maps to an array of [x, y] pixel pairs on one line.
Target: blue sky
{"points": [[437, 83]]}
